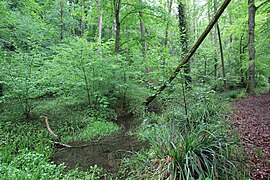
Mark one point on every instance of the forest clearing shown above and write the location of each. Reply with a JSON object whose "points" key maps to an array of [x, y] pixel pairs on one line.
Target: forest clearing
{"points": [[135, 89]]}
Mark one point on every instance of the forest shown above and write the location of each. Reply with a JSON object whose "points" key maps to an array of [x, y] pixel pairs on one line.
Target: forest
{"points": [[134, 89]]}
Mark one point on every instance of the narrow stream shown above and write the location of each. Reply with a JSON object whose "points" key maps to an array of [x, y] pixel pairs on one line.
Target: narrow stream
{"points": [[106, 152]]}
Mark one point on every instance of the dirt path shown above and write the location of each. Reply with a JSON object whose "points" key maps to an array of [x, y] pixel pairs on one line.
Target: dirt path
{"points": [[252, 119]]}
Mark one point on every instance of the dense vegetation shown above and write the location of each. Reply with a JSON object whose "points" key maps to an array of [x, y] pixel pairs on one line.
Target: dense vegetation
{"points": [[85, 63]]}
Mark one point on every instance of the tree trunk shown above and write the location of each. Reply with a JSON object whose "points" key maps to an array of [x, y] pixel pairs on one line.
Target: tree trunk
{"points": [[99, 21], [241, 56], [117, 7], [251, 46], [184, 38], [1, 89], [166, 41], [190, 53], [62, 19], [82, 19], [222, 59], [214, 43], [143, 41], [167, 24]]}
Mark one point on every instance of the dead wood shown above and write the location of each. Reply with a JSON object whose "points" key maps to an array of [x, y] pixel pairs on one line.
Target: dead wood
{"points": [[59, 143]]}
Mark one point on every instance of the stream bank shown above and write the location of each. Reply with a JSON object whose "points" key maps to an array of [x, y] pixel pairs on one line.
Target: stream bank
{"points": [[106, 152]]}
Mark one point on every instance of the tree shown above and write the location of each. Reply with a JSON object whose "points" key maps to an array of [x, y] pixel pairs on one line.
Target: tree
{"points": [[184, 38], [1, 89], [99, 21], [62, 24], [251, 43], [117, 8], [190, 53], [222, 58], [143, 41]]}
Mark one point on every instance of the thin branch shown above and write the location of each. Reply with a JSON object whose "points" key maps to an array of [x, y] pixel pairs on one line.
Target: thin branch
{"points": [[49, 129]]}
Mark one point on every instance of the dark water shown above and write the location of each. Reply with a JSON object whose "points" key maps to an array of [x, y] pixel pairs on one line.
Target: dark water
{"points": [[106, 152]]}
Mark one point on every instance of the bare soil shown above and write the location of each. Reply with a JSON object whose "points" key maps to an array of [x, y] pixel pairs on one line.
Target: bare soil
{"points": [[252, 120]]}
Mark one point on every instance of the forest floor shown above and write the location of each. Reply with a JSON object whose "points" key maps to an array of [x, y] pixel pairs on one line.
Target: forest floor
{"points": [[252, 120]]}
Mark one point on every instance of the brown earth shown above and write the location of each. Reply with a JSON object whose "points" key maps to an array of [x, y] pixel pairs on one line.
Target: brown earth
{"points": [[252, 119]]}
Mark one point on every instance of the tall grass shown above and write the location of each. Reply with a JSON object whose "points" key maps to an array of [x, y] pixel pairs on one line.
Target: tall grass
{"points": [[202, 147]]}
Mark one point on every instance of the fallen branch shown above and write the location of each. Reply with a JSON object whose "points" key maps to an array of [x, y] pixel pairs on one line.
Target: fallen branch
{"points": [[59, 143], [49, 129]]}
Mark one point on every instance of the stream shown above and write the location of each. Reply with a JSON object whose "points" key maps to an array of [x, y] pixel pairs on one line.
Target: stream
{"points": [[106, 152]]}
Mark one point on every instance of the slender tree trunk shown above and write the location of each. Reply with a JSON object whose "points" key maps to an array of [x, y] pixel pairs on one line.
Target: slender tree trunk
{"points": [[190, 53], [117, 7], [222, 58], [215, 42], [209, 14], [184, 38], [82, 19], [99, 21], [241, 61], [143, 41], [62, 19], [169, 2], [1, 89], [251, 46], [194, 21], [241, 55]]}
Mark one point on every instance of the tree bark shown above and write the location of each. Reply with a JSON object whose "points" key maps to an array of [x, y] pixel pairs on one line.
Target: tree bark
{"points": [[184, 39], [190, 53], [1, 89], [99, 21], [251, 46], [117, 7], [167, 24], [82, 19], [62, 19], [143, 41], [241, 56], [222, 58]]}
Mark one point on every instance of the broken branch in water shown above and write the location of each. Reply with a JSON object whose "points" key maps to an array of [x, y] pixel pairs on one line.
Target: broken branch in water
{"points": [[59, 143]]}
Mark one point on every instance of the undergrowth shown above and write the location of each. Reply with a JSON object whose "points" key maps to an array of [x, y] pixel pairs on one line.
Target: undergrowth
{"points": [[26, 146], [199, 144]]}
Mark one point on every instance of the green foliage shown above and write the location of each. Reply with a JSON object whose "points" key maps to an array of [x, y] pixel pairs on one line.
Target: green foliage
{"points": [[81, 84], [200, 149], [25, 79], [25, 147], [95, 129]]}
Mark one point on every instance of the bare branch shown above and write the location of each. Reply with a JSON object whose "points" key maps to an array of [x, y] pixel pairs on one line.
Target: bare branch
{"points": [[49, 129]]}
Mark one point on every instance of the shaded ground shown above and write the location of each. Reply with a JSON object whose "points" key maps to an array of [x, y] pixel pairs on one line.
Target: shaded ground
{"points": [[252, 120], [106, 152]]}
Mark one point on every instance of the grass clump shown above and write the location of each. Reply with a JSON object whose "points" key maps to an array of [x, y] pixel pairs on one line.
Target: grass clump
{"points": [[196, 145]]}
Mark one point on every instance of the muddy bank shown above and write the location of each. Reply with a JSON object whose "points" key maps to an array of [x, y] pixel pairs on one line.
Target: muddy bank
{"points": [[106, 152]]}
